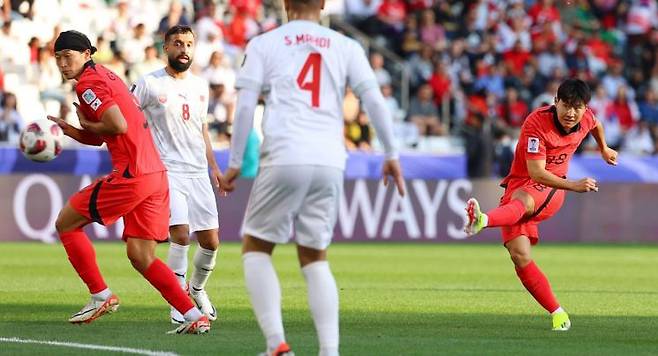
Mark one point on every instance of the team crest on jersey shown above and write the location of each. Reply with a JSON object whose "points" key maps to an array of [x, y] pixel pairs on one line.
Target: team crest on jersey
{"points": [[533, 145], [202, 98], [96, 104], [162, 99], [88, 96]]}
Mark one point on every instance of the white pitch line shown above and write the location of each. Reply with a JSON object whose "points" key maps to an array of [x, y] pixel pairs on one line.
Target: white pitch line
{"points": [[88, 346]]}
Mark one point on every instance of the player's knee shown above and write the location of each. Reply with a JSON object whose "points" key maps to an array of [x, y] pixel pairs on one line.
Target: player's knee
{"points": [[527, 201], [520, 257], [139, 260], [211, 244]]}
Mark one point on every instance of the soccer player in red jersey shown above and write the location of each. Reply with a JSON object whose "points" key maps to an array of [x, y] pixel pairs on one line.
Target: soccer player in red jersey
{"points": [[136, 189], [536, 184]]}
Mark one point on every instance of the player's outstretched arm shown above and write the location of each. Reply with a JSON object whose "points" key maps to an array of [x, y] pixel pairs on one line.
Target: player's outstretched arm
{"points": [[538, 173], [82, 136], [112, 122], [242, 125], [378, 112], [608, 154]]}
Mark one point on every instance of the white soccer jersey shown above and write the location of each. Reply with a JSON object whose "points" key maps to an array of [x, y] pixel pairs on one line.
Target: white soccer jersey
{"points": [[303, 69], [176, 110]]}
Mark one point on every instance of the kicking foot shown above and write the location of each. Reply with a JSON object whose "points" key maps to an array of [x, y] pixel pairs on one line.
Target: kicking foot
{"points": [[282, 350], [561, 321], [476, 220]]}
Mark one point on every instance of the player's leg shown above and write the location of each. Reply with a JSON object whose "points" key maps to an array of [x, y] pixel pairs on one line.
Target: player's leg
{"points": [[508, 213], [314, 227], [534, 280], [204, 263], [276, 194], [264, 290], [146, 224], [204, 222], [82, 256], [179, 231]]}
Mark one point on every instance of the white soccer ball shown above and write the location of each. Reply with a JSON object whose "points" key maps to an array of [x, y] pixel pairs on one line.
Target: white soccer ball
{"points": [[41, 140]]}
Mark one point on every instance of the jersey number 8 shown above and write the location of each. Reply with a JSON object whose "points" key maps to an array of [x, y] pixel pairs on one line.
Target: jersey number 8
{"points": [[314, 62]]}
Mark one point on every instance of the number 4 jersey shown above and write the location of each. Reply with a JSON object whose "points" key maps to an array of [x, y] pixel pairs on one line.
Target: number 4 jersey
{"points": [[176, 110], [303, 69]]}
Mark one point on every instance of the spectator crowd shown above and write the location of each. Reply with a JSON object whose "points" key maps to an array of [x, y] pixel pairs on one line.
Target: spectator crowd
{"points": [[475, 68]]}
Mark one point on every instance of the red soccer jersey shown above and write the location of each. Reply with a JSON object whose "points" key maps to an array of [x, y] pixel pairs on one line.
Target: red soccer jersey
{"points": [[542, 137], [133, 153]]}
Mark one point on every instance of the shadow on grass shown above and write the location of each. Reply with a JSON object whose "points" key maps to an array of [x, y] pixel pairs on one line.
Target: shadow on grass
{"points": [[362, 333]]}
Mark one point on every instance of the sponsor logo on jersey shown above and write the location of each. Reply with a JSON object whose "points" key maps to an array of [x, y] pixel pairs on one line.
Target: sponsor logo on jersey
{"points": [[162, 99], [88, 96], [533, 145], [96, 104]]}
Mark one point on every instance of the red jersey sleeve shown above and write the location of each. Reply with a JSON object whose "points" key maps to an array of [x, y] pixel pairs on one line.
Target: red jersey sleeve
{"points": [[95, 97], [533, 140]]}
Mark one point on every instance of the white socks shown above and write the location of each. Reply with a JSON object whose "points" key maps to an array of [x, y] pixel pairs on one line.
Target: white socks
{"points": [[192, 315], [265, 294], [177, 261], [102, 295], [558, 310], [204, 263], [323, 302]]}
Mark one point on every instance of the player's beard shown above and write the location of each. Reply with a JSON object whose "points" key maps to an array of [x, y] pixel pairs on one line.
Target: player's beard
{"points": [[177, 65]]}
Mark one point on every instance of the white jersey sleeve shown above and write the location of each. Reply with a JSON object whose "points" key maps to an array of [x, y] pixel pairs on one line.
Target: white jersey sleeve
{"points": [[141, 91], [252, 73], [360, 76]]}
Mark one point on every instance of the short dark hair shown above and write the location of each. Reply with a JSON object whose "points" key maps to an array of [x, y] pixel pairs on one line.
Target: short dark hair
{"points": [[574, 92], [178, 29], [306, 3]]}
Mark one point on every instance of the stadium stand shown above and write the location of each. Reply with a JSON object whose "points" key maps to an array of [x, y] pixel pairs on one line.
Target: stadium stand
{"points": [[460, 76]]}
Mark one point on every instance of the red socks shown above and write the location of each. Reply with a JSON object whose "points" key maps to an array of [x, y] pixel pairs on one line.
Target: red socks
{"points": [[506, 215], [164, 280], [536, 283], [83, 258]]}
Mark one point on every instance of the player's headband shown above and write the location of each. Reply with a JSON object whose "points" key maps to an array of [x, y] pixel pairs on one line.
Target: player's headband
{"points": [[73, 40]]}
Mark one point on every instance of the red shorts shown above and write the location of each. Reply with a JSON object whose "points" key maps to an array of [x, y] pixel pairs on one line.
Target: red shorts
{"points": [[142, 201], [547, 202]]}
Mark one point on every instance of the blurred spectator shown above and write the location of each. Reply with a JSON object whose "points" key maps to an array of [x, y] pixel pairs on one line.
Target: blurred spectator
{"points": [[405, 131], [358, 132], [219, 71], [175, 16], [132, 47], [441, 83], [361, 13], [150, 64], [623, 109], [420, 66], [11, 122], [431, 33], [118, 66], [104, 51], [47, 77], [377, 64], [423, 112], [219, 114], [513, 111]]}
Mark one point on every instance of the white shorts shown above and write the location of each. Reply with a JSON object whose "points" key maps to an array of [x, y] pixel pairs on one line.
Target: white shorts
{"points": [[303, 198], [192, 202]]}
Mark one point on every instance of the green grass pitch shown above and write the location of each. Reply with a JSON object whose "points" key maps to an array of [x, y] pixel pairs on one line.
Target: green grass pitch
{"points": [[396, 299]]}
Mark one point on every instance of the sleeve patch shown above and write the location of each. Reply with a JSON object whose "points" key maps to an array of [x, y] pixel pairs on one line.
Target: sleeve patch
{"points": [[96, 104], [533, 145], [88, 96]]}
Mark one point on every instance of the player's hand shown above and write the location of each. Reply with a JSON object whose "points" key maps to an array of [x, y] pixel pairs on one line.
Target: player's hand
{"points": [[66, 128], [392, 168], [609, 156], [227, 182], [586, 185], [216, 180]]}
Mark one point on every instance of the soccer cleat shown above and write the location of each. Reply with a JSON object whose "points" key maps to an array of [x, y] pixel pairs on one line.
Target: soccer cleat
{"points": [[561, 322], [197, 327], [95, 309], [200, 298], [282, 350], [475, 218]]}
